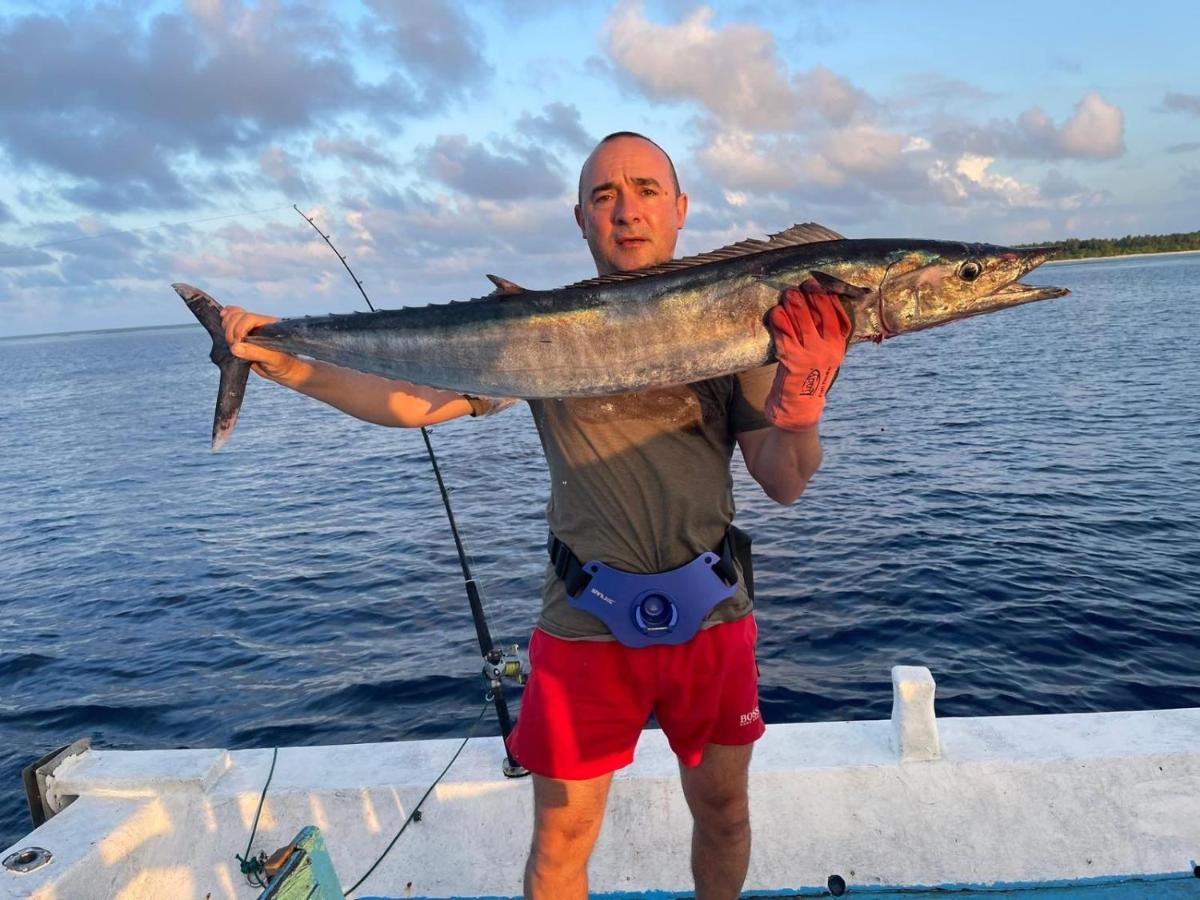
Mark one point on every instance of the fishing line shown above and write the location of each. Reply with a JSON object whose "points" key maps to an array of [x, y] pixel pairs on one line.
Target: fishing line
{"points": [[497, 663], [96, 237], [342, 257], [468, 578], [254, 868], [415, 815]]}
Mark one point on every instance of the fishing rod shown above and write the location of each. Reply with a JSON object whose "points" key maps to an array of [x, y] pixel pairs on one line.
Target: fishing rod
{"points": [[498, 663]]}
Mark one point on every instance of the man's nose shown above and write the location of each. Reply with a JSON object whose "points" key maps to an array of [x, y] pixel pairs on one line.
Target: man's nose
{"points": [[627, 209]]}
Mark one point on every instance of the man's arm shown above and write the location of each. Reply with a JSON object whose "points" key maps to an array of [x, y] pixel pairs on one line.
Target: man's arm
{"points": [[781, 461], [371, 398]]}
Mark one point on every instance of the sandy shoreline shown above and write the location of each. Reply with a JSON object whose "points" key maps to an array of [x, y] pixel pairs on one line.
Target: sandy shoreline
{"points": [[1060, 262]]}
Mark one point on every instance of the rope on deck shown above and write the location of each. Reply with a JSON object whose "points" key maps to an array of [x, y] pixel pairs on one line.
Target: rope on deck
{"points": [[415, 815], [252, 867]]}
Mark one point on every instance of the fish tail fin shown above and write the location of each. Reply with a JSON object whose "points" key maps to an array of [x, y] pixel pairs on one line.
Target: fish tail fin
{"points": [[234, 371]]}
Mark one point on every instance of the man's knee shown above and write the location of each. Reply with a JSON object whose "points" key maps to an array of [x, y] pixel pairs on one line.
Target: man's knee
{"points": [[567, 818], [724, 815], [717, 791], [565, 832]]}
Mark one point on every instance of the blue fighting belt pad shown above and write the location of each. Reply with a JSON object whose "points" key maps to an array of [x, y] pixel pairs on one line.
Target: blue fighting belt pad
{"points": [[660, 608]]}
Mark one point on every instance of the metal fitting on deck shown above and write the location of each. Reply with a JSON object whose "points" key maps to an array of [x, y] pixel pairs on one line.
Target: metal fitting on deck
{"points": [[27, 859]]}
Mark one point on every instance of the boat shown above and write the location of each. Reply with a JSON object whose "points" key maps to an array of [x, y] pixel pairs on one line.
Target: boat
{"points": [[1090, 806]]}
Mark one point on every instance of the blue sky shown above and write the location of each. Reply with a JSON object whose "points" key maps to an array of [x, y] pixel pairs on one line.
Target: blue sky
{"points": [[146, 143]]}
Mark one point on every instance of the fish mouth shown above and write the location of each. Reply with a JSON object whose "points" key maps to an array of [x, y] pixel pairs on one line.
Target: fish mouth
{"points": [[1018, 292]]}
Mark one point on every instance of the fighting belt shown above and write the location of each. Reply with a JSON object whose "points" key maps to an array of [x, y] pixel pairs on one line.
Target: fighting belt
{"points": [[643, 610]]}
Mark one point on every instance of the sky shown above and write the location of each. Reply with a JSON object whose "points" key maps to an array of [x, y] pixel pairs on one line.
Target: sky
{"points": [[436, 141]]}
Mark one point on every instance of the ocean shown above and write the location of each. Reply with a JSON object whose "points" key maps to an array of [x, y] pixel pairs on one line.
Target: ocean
{"points": [[1012, 501]]}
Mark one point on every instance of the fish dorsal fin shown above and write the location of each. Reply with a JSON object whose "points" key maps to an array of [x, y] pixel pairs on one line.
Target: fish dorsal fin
{"points": [[807, 233], [504, 286]]}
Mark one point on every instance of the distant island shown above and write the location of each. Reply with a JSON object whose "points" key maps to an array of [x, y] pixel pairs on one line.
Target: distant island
{"points": [[1077, 248]]}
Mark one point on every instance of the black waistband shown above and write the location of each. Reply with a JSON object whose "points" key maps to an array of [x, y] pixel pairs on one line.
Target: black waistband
{"points": [[568, 567]]}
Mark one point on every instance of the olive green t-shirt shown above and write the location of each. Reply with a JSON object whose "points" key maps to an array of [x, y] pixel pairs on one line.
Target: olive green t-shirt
{"points": [[642, 482]]}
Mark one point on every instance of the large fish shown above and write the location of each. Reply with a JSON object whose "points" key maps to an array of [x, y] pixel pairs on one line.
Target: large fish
{"points": [[680, 322]]}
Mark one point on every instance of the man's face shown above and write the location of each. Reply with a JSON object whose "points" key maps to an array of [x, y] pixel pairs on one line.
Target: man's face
{"points": [[629, 212]]}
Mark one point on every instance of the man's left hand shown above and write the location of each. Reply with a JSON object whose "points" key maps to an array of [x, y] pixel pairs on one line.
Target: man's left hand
{"points": [[811, 329]]}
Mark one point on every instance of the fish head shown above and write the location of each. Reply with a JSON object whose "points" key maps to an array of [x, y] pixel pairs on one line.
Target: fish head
{"points": [[934, 283]]}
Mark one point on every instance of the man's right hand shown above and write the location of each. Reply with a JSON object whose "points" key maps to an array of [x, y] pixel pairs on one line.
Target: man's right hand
{"points": [[272, 364]]}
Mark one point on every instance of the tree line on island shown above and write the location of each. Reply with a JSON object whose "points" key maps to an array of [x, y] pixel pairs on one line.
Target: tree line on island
{"points": [[1077, 248]]}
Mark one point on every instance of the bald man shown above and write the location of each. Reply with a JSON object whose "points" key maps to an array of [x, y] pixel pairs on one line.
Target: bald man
{"points": [[640, 485]]}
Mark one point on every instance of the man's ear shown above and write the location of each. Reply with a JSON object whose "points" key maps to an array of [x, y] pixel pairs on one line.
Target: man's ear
{"points": [[681, 208], [580, 221]]}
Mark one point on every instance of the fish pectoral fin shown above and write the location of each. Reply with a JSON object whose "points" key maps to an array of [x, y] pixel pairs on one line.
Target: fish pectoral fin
{"points": [[835, 285], [504, 286]]}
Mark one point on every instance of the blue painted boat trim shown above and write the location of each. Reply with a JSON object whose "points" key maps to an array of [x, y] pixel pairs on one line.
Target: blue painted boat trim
{"points": [[1168, 886]]}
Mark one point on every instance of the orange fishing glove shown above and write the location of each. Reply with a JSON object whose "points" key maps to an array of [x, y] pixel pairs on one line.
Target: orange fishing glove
{"points": [[811, 330]]}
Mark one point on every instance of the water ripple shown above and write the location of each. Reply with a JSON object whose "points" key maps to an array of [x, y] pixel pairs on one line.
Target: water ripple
{"points": [[1012, 501]]}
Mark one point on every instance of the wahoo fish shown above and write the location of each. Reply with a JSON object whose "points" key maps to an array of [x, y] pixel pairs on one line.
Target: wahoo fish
{"points": [[683, 321]]}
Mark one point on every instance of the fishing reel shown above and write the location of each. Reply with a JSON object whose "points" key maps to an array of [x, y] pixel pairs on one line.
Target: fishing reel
{"points": [[505, 663]]}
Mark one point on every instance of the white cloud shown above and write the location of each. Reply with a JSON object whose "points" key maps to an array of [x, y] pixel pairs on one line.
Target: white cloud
{"points": [[470, 167], [858, 156], [735, 72], [864, 150], [352, 150], [738, 162], [282, 169], [835, 97], [128, 111], [865, 168], [1097, 129], [975, 170], [971, 176], [766, 132], [946, 183], [559, 123], [357, 223]]}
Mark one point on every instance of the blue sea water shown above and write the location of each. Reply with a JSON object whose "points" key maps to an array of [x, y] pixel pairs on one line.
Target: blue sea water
{"points": [[1012, 501]]}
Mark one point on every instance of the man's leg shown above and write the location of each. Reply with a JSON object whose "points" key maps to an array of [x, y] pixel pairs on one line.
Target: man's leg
{"points": [[566, 821], [717, 793]]}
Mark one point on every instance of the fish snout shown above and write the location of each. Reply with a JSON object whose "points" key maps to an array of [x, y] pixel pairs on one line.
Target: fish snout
{"points": [[1029, 258]]}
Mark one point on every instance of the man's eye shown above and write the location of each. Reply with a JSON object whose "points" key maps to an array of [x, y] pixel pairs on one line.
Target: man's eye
{"points": [[649, 192]]}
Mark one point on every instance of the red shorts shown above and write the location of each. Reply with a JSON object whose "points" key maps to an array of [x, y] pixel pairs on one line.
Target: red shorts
{"points": [[586, 702]]}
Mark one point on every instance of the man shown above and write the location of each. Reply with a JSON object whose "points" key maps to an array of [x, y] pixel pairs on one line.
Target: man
{"points": [[641, 483]]}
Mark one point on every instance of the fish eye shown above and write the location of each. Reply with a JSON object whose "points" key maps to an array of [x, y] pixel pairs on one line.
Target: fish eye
{"points": [[970, 270]]}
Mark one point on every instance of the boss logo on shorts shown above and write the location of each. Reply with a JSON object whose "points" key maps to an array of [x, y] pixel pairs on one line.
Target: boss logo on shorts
{"points": [[749, 718]]}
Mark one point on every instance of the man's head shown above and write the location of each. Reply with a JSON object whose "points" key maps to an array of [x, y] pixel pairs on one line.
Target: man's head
{"points": [[630, 207]]}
